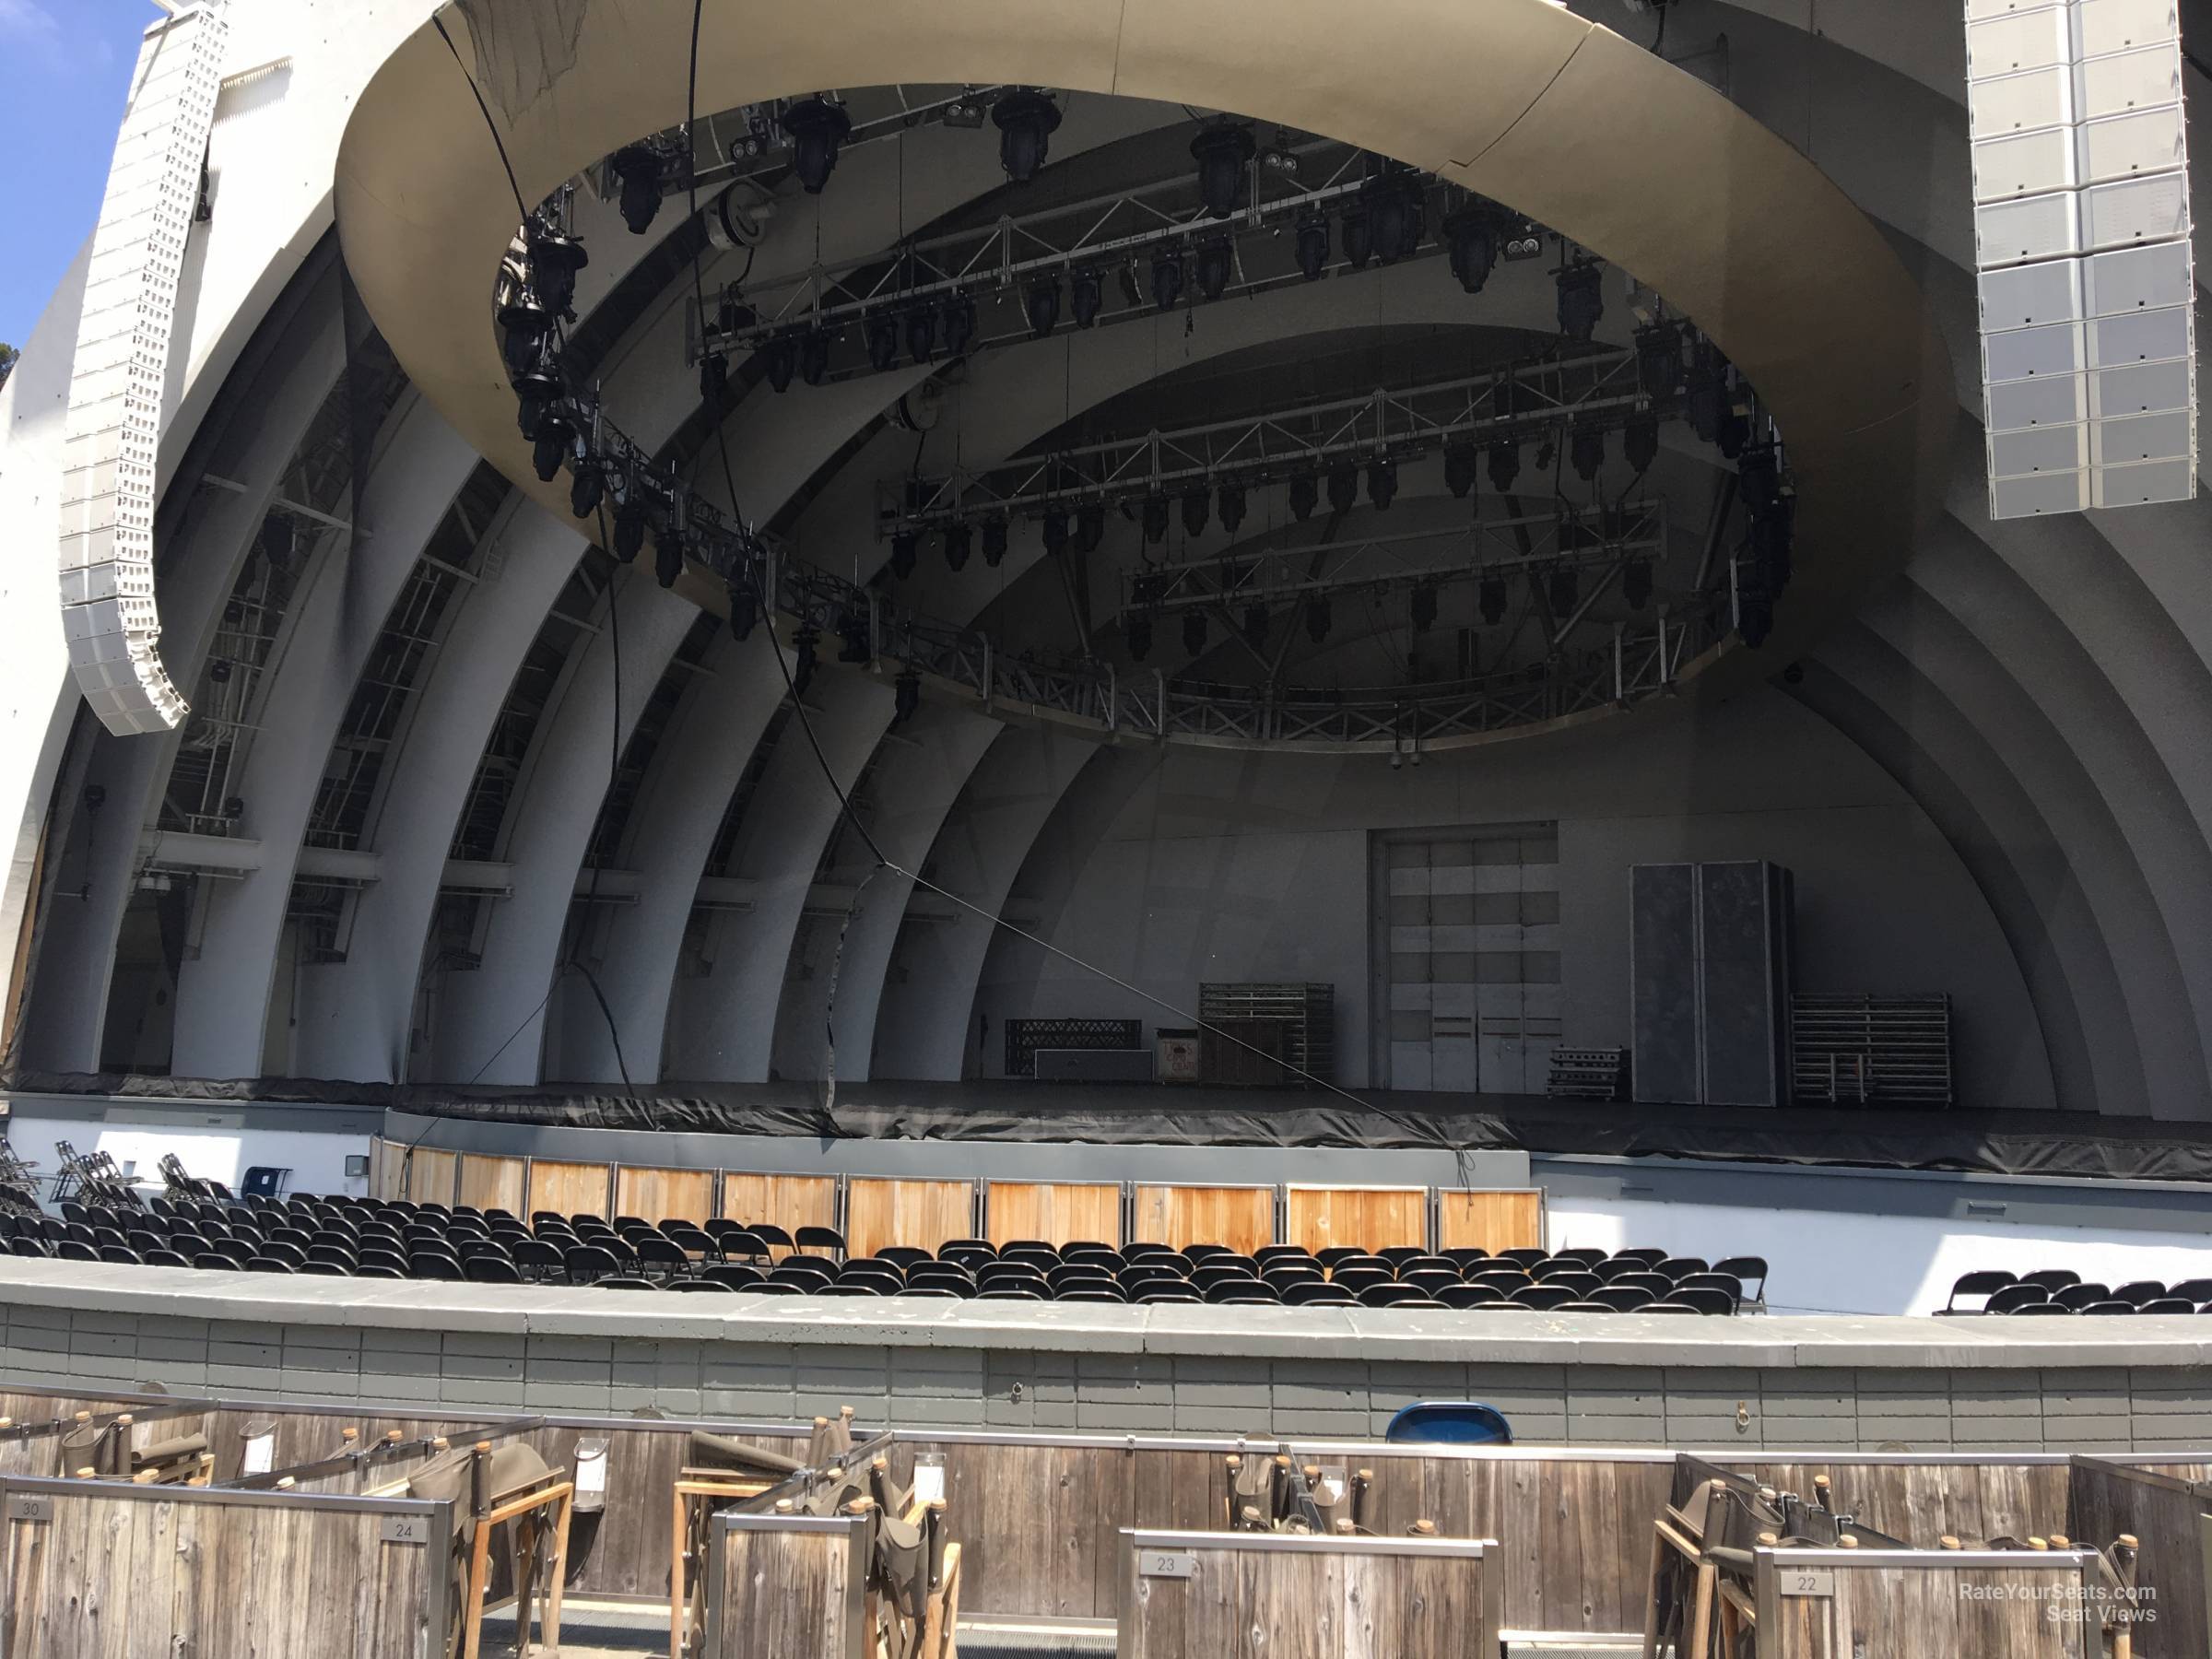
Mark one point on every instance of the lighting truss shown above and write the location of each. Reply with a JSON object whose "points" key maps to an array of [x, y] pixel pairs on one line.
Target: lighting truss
{"points": [[2081, 236]]}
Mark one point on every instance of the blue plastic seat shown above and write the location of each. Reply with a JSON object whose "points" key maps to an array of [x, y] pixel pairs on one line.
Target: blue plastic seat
{"points": [[1450, 1422]]}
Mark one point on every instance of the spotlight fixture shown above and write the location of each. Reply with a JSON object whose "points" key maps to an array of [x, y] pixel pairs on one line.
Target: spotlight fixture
{"points": [[814, 355], [1424, 607], [1125, 275], [1217, 259], [1055, 531], [1472, 236], [1194, 632], [960, 324], [550, 448], [1359, 238], [995, 542], [1586, 452], [1305, 495], [803, 660], [1156, 519], [1734, 433], [817, 128], [966, 113], [554, 261], [1639, 442], [1197, 503], [1636, 583], [1138, 631], [629, 528], [1344, 489], [1255, 627], [1581, 300], [906, 697], [1708, 391], [1505, 464], [1489, 599], [713, 380], [957, 538], [1091, 526], [1659, 359], [1222, 153], [587, 488], [906, 547], [745, 612], [922, 333], [780, 361], [1546, 452], [882, 332], [1759, 480], [536, 394], [1770, 536], [1754, 615], [1042, 305], [1086, 294], [1459, 469], [1318, 618], [1312, 245], [526, 324], [1230, 505], [1523, 240], [853, 648], [1166, 275], [1026, 123], [668, 554], [1382, 484], [637, 167], [1561, 589], [1394, 207]]}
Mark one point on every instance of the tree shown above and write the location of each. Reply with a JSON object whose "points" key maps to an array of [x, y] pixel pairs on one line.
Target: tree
{"points": [[8, 355]]}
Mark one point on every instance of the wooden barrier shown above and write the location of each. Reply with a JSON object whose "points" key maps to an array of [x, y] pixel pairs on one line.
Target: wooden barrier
{"points": [[1925, 1498], [428, 1174], [1199, 1595], [489, 1183], [789, 1202], [922, 1213], [792, 1585], [1055, 1211], [665, 1195], [1370, 1218], [97, 1570], [1924, 1604], [573, 1189], [1495, 1222], [1239, 1217], [2171, 1520]]}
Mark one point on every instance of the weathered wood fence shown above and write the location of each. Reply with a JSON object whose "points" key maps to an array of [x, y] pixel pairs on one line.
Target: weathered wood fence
{"points": [[1834, 1604], [792, 1585]]}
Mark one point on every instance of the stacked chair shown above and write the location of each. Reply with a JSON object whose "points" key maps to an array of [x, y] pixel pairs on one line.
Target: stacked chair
{"points": [[1276, 1495], [2052, 1291]]}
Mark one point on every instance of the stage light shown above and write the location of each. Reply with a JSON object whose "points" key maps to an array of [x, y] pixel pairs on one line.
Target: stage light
{"points": [[551, 448], [1167, 277], [1390, 218], [1708, 391], [638, 168], [714, 381], [1026, 122], [1138, 631], [1459, 469], [1771, 532], [1382, 484], [906, 697], [1754, 617], [1197, 503], [1042, 305], [629, 527], [906, 548], [803, 660], [1155, 519], [814, 355], [526, 322], [1087, 295], [1126, 275], [1581, 300], [1561, 589], [1523, 240], [1734, 433], [1636, 583], [1222, 154], [1305, 495], [1055, 531], [960, 324], [853, 647], [1489, 598], [1359, 238], [1194, 632], [1759, 480], [1546, 452], [1091, 526], [1424, 607], [995, 542], [1217, 259], [959, 538], [1318, 619], [1586, 453], [745, 612], [920, 334], [1472, 236], [1659, 359], [882, 332], [1230, 506], [1344, 489], [1255, 627], [536, 394], [554, 261], [1505, 464], [668, 554], [1639, 442], [817, 128], [587, 488], [780, 361]]}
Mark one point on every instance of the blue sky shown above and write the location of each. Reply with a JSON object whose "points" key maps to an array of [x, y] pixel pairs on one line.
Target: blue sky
{"points": [[66, 67]]}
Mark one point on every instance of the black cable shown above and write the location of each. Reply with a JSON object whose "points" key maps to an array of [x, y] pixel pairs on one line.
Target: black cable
{"points": [[1659, 39], [497, 142], [698, 291]]}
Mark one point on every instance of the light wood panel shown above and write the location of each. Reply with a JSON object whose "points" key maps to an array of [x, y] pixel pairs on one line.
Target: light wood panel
{"points": [[665, 1195], [1933, 1611], [1054, 1211], [1495, 1222], [573, 1189], [1240, 1218], [494, 1182], [2169, 1519], [383, 1161], [922, 1213], [1368, 1218], [1923, 1501], [789, 1202], [789, 1587], [427, 1174]]}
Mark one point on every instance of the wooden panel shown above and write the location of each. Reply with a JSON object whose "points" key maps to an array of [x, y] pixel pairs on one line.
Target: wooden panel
{"points": [[2167, 1518], [1368, 1218], [1240, 1218], [385, 1158], [1935, 1612], [1922, 1502], [1493, 1221], [922, 1213], [493, 1183], [1311, 1598], [789, 1202], [1054, 1211], [790, 1588], [122, 1572], [427, 1174], [665, 1195], [573, 1189]]}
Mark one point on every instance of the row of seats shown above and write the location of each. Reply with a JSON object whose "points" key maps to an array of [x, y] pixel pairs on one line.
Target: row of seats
{"points": [[2058, 1290], [399, 1239]]}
